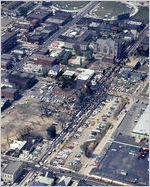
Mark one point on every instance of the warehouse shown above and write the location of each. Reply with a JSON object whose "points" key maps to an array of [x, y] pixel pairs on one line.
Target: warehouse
{"points": [[141, 129]]}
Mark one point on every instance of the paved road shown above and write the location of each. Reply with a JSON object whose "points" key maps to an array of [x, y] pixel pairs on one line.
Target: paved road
{"points": [[141, 36], [60, 172]]}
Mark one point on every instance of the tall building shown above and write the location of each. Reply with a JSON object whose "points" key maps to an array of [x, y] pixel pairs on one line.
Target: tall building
{"points": [[106, 48]]}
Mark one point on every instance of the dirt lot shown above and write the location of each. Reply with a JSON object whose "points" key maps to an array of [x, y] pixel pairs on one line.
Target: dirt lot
{"points": [[25, 114]]}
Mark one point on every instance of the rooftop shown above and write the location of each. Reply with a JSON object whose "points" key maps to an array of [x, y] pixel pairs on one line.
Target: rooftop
{"points": [[44, 180], [133, 62], [142, 127], [10, 90], [12, 167], [17, 144], [135, 23], [84, 74], [42, 57], [68, 73], [39, 14], [7, 35]]}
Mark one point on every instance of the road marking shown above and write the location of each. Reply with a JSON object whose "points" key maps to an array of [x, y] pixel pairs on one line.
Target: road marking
{"points": [[124, 143]]}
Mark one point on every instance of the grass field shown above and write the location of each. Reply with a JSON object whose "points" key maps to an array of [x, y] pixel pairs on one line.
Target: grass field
{"points": [[70, 5], [143, 14], [111, 9]]}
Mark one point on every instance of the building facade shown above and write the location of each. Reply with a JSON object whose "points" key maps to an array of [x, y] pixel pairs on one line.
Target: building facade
{"points": [[106, 48], [12, 171]]}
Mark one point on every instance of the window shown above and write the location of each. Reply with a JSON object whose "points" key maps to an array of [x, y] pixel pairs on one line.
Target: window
{"points": [[111, 51], [104, 49]]}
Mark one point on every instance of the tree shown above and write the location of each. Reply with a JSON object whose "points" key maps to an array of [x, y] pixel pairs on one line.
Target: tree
{"points": [[89, 54], [23, 11], [86, 149], [81, 94], [65, 58], [45, 70], [51, 131], [77, 50], [81, 61]]}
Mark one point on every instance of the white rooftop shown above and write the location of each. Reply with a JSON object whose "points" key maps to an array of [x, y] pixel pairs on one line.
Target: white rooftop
{"points": [[85, 74], [142, 126], [134, 22], [68, 73], [45, 180], [17, 144]]}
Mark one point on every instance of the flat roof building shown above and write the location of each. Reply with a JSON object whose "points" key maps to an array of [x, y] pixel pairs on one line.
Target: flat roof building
{"points": [[43, 181], [39, 14], [23, 80], [69, 73], [84, 74], [8, 40], [43, 59], [12, 171], [142, 127]]}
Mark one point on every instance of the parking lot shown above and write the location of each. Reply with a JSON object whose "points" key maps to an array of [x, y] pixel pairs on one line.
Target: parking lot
{"points": [[131, 118], [71, 155], [121, 163]]}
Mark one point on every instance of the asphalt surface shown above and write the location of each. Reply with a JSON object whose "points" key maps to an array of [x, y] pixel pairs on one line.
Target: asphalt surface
{"points": [[124, 159]]}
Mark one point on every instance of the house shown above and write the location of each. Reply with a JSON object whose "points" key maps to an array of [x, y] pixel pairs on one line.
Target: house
{"points": [[84, 74], [12, 171], [54, 71]]}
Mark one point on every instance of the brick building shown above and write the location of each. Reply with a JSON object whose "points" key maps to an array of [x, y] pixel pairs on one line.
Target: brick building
{"points": [[22, 80], [43, 60], [10, 93]]}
